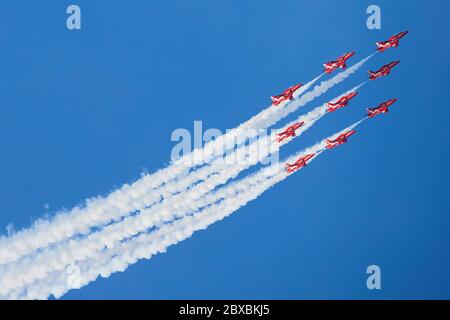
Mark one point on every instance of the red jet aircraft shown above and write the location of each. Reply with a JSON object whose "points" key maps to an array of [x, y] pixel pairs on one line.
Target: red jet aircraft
{"points": [[341, 139], [391, 42], [289, 132], [286, 95], [339, 63], [382, 108], [384, 70], [342, 102], [301, 162]]}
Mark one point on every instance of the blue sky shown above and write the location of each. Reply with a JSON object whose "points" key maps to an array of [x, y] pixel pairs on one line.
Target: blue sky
{"points": [[82, 112]]}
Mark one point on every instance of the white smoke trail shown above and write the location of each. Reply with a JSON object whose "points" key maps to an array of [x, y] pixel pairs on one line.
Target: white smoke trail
{"points": [[30, 268], [145, 245], [118, 204], [54, 258], [167, 235], [230, 190], [102, 210]]}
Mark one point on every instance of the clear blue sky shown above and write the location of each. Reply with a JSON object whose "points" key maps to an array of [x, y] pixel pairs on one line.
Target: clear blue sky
{"points": [[82, 112]]}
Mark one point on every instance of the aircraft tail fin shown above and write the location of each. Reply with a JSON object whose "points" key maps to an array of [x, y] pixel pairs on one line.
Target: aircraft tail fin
{"points": [[380, 46], [371, 74]]}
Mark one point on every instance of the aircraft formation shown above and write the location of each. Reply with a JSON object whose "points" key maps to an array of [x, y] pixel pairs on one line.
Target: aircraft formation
{"points": [[329, 67], [171, 204]]}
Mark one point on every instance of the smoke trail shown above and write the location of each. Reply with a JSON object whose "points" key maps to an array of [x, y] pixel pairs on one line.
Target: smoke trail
{"points": [[118, 204], [64, 254], [57, 257], [172, 207], [100, 211], [167, 235], [145, 245]]}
